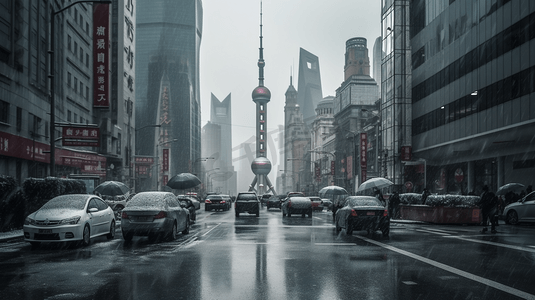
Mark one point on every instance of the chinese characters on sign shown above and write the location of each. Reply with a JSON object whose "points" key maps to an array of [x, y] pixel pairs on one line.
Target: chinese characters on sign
{"points": [[81, 136], [143, 164], [101, 55], [363, 158], [165, 162]]}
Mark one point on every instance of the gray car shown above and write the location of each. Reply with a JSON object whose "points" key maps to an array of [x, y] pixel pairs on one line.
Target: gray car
{"points": [[296, 205], [154, 214], [521, 211], [247, 202]]}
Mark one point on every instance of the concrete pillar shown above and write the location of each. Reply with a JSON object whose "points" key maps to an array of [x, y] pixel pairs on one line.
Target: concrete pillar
{"points": [[470, 177], [500, 172]]}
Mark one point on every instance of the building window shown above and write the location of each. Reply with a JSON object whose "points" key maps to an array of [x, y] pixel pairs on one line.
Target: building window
{"points": [[19, 119], [75, 49], [34, 126], [75, 84], [86, 92], [87, 60], [69, 42], [69, 82], [38, 27], [81, 54], [75, 117], [81, 88], [4, 112], [69, 117]]}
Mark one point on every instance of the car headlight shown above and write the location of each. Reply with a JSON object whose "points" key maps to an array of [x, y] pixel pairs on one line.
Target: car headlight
{"points": [[29, 221], [70, 221]]}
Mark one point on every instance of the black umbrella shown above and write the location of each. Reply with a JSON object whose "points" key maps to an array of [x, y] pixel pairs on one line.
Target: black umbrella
{"points": [[510, 187], [332, 190], [112, 188], [183, 181]]}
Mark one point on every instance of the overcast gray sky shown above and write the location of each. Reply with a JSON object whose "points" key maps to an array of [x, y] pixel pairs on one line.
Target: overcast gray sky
{"points": [[230, 42]]}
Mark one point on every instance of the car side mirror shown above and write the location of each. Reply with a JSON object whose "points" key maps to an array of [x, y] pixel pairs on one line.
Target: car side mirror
{"points": [[92, 209]]}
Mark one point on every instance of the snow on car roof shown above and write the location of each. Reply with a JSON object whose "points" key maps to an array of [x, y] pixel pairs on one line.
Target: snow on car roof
{"points": [[148, 200], [74, 202]]}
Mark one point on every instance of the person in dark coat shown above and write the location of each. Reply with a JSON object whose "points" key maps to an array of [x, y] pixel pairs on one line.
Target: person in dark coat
{"points": [[393, 205], [425, 194], [488, 203], [379, 195]]}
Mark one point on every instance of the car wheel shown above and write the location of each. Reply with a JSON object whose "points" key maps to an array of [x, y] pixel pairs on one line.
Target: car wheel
{"points": [[310, 213], [283, 214], [111, 234], [289, 214], [386, 231], [512, 217], [338, 228], [127, 236], [206, 208], [186, 231], [172, 233], [86, 236]]}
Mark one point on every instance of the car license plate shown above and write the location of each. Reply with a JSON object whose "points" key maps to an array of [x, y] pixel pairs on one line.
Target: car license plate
{"points": [[143, 219], [45, 230], [370, 213]]}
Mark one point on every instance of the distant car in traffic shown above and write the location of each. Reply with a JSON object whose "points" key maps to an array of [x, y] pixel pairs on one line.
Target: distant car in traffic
{"points": [[247, 202], [296, 205], [273, 202], [362, 213], [187, 202], [217, 202], [70, 218], [521, 211], [154, 214], [327, 203], [316, 203]]}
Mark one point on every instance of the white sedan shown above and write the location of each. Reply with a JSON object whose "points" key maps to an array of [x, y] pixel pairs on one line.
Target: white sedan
{"points": [[70, 218], [521, 211]]}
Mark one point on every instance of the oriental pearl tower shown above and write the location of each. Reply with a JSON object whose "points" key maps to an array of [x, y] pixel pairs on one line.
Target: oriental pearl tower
{"points": [[261, 166]]}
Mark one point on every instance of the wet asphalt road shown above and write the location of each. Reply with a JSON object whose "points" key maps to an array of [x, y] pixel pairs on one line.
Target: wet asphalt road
{"points": [[272, 257]]}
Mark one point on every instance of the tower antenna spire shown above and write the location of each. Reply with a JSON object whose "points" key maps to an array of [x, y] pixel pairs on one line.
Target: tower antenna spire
{"points": [[261, 62]]}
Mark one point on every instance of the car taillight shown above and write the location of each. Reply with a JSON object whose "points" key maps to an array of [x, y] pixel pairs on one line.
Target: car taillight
{"points": [[222, 201], [124, 215], [207, 201], [385, 213], [353, 213], [160, 215], [289, 203]]}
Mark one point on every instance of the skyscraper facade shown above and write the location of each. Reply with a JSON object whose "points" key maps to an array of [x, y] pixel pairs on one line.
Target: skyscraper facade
{"points": [[309, 85], [467, 93], [171, 32]]}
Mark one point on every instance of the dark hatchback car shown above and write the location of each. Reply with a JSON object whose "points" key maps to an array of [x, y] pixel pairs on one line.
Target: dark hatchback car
{"points": [[217, 202], [247, 202], [362, 213], [273, 202]]}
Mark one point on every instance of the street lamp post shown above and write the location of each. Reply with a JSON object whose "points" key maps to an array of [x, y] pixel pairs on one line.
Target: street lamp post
{"points": [[326, 153], [51, 75]]}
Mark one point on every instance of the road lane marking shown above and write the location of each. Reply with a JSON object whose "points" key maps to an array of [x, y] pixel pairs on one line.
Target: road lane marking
{"points": [[211, 229], [494, 244], [434, 232], [409, 282], [334, 244], [485, 281]]}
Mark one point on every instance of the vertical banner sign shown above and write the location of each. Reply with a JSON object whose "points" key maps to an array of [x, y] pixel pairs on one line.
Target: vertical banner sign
{"points": [[101, 55], [333, 167], [363, 156], [165, 180], [165, 163], [349, 167], [318, 172]]}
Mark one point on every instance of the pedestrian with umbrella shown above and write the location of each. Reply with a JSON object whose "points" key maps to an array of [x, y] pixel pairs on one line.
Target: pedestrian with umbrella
{"points": [[336, 194], [489, 207]]}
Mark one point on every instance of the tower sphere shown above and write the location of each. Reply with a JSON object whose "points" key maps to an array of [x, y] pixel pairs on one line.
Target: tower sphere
{"points": [[261, 166], [261, 93]]}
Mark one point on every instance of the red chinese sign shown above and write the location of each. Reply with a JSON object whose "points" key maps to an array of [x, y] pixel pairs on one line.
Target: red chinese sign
{"points": [[144, 160], [349, 167], [165, 162], [81, 136], [406, 153], [318, 172], [101, 55], [363, 151]]}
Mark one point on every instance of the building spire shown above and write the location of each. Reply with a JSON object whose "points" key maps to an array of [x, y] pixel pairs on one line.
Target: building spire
{"points": [[261, 62]]}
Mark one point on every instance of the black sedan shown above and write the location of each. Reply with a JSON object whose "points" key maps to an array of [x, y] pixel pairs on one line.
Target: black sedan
{"points": [[363, 213], [154, 214], [296, 205], [273, 202]]}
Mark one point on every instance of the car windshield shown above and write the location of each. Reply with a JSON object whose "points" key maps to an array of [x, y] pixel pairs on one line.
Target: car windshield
{"points": [[147, 201], [66, 202], [362, 201], [247, 197]]}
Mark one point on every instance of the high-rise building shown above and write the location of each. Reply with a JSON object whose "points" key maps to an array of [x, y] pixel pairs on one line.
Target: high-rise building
{"points": [[377, 59], [458, 97], [356, 95], [309, 85], [171, 33], [220, 155]]}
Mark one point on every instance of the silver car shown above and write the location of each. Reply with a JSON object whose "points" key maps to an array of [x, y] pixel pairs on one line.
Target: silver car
{"points": [[154, 214], [70, 218], [521, 211]]}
